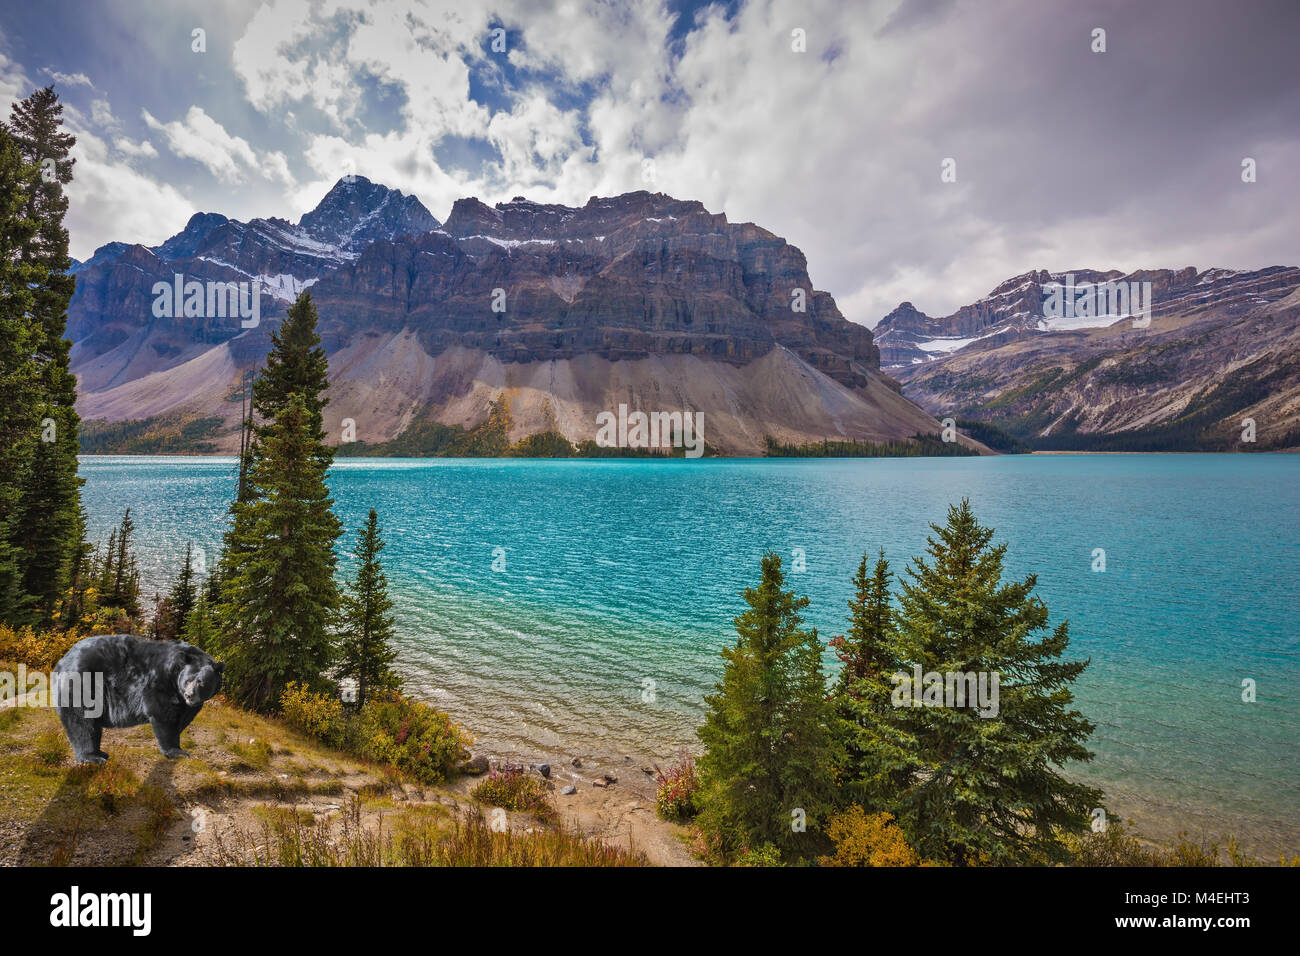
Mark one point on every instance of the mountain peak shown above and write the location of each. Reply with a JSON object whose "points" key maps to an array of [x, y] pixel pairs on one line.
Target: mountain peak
{"points": [[356, 212]]}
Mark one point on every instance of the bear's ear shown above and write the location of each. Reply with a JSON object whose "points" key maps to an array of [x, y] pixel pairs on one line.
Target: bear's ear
{"points": [[221, 667]]}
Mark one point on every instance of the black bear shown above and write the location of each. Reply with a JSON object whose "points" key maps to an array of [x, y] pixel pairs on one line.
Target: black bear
{"points": [[162, 683]]}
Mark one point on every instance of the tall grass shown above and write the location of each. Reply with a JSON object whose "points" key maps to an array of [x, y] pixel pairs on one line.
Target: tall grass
{"points": [[417, 839]]}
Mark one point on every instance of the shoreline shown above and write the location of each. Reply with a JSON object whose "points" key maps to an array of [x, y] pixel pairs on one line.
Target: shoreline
{"points": [[1155, 820]]}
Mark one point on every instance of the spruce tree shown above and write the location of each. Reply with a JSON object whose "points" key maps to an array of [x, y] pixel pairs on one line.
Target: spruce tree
{"points": [[869, 655], [125, 592], [865, 650], [366, 652], [279, 600], [981, 789], [182, 595], [81, 577], [767, 769], [276, 599], [296, 365], [47, 513], [20, 375], [199, 626]]}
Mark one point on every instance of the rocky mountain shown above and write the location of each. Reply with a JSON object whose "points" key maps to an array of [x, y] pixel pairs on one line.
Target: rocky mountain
{"points": [[117, 339], [1222, 347], [640, 299], [1014, 311]]}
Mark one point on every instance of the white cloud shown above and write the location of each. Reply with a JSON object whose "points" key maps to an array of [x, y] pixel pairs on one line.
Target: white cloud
{"points": [[226, 156], [109, 198], [70, 79], [127, 147], [14, 84]]}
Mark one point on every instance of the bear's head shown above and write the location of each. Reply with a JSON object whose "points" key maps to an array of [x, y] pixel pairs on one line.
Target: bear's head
{"points": [[200, 680]]}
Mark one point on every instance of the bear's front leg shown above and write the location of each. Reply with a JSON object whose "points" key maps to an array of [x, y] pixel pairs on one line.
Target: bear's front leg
{"points": [[168, 736]]}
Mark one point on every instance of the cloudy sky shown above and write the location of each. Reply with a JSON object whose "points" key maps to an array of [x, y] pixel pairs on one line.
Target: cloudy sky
{"points": [[1064, 157]]}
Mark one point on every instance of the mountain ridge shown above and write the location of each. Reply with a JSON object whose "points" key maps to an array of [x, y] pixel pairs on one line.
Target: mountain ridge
{"points": [[640, 299]]}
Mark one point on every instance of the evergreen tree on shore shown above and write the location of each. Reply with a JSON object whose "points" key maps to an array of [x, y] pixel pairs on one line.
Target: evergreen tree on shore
{"points": [[866, 649], [766, 775], [182, 595], [366, 653], [869, 656], [47, 513], [20, 391], [982, 789], [279, 601]]}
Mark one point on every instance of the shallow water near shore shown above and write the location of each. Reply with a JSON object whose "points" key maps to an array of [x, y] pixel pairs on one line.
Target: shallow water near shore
{"points": [[563, 607]]}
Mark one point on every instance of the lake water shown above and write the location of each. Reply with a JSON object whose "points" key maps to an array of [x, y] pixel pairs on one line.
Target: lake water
{"points": [[538, 600]]}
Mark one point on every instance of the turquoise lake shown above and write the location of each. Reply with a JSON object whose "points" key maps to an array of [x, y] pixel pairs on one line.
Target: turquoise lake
{"points": [[537, 600]]}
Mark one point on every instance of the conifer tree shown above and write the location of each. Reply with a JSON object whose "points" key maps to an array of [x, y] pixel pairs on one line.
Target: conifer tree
{"points": [[182, 594], [766, 774], [869, 656], [279, 600], [125, 593], [296, 365], [20, 388], [76, 601], [366, 653], [199, 626], [47, 513], [982, 789], [865, 650]]}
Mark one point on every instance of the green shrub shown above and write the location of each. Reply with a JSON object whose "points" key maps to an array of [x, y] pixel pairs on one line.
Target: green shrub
{"points": [[413, 737], [767, 854], [511, 788]]}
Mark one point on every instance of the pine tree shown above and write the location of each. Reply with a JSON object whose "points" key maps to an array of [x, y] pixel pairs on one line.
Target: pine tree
{"points": [[982, 788], [869, 655], [767, 730], [199, 626], [296, 365], [125, 590], [47, 512], [279, 601], [277, 598], [20, 384], [81, 576], [103, 570], [366, 654], [865, 650], [182, 594]]}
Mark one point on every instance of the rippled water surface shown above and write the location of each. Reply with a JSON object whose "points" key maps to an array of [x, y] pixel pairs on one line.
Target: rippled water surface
{"points": [[621, 572]]}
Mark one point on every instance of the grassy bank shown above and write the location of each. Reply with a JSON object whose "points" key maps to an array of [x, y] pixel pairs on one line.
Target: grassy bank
{"points": [[253, 791]]}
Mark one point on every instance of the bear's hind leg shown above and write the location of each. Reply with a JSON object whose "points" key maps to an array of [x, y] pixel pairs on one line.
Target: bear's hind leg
{"points": [[83, 734], [168, 737], [96, 735]]}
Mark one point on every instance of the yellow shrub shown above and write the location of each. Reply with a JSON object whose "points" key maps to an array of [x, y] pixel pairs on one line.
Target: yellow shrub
{"points": [[868, 840], [36, 649], [316, 715]]}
